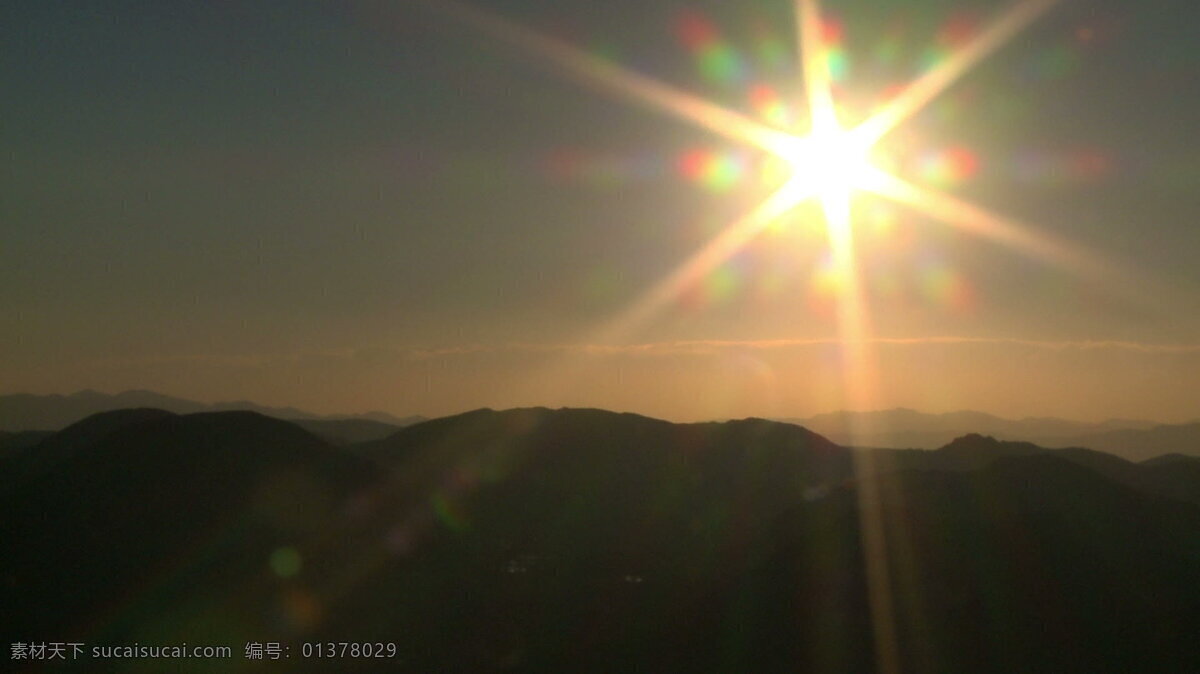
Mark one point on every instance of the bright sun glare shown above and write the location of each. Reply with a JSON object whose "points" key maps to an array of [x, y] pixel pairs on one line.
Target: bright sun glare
{"points": [[829, 164]]}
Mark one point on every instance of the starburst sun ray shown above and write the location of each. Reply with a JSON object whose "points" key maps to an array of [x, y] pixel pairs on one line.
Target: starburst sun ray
{"points": [[610, 77], [828, 163], [836, 171], [982, 223], [931, 85], [719, 249]]}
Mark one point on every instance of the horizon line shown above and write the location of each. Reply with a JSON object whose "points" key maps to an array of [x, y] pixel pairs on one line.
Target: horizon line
{"points": [[791, 419]]}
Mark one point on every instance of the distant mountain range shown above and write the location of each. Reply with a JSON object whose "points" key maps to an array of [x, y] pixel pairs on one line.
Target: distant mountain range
{"points": [[26, 412], [540, 540], [904, 428], [898, 428]]}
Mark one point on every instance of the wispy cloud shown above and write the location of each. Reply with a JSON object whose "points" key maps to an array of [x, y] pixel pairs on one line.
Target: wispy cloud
{"points": [[708, 346], [702, 347]]}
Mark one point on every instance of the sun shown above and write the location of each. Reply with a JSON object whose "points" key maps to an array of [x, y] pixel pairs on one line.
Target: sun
{"points": [[830, 164]]}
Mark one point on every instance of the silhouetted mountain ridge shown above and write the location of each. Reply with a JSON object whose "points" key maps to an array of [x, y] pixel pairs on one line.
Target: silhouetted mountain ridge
{"points": [[342, 432], [136, 488], [1178, 480], [542, 540], [12, 443], [60, 447], [903, 428], [23, 411]]}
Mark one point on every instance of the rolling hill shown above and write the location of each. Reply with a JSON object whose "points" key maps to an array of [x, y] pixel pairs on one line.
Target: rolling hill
{"points": [[541, 540], [26, 412], [900, 428]]}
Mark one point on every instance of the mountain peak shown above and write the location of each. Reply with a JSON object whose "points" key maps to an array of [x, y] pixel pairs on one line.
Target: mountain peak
{"points": [[973, 440], [22, 412]]}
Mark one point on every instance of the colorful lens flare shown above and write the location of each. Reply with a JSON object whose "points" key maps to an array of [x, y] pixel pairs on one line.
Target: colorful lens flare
{"points": [[828, 163], [769, 105], [716, 171], [716, 59], [945, 288], [948, 167]]}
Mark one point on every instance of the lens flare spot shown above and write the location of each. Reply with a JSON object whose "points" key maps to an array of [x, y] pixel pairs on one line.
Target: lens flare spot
{"points": [[720, 63], [450, 512], [958, 31], [301, 610], [769, 105], [721, 284], [717, 172], [837, 62], [948, 167], [285, 562], [932, 57], [695, 30], [946, 288], [716, 59], [831, 31]]}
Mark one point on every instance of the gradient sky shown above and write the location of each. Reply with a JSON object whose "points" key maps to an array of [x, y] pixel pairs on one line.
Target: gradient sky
{"points": [[365, 205]]}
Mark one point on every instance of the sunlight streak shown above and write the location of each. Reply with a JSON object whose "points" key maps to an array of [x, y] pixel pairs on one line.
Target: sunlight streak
{"points": [[845, 162], [921, 92], [831, 160], [812, 64], [859, 384], [731, 239], [607, 76], [828, 163], [980, 222]]}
